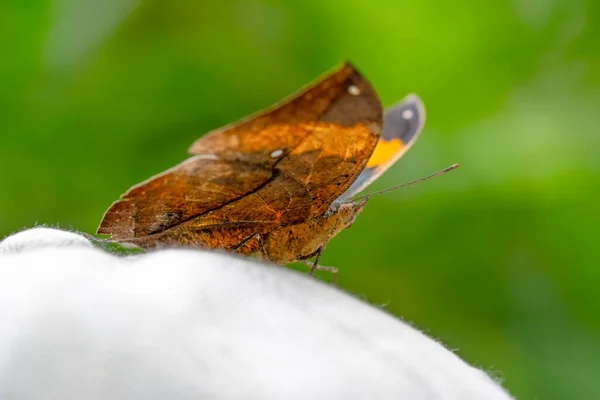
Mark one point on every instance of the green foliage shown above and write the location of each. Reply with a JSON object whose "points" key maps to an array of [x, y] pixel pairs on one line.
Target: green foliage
{"points": [[498, 259]]}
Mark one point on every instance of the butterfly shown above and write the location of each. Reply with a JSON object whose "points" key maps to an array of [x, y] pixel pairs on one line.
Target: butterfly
{"points": [[279, 183]]}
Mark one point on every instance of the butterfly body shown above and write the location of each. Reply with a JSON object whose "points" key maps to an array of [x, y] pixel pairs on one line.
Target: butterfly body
{"points": [[302, 241], [277, 184]]}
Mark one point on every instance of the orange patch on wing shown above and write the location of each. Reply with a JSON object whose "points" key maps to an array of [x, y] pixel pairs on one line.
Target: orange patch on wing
{"points": [[384, 152]]}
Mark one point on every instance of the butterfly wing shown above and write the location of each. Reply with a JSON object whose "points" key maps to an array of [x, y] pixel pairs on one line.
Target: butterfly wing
{"points": [[323, 136], [277, 167], [194, 187], [402, 124]]}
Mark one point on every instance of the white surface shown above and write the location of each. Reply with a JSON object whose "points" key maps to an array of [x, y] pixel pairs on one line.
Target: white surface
{"points": [[79, 323]]}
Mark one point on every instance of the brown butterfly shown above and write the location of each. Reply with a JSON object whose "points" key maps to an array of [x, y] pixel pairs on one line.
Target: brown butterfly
{"points": [[278, 183]]}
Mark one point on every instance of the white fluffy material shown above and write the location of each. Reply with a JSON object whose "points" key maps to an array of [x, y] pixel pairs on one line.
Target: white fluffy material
{"points": [[77, 322]]}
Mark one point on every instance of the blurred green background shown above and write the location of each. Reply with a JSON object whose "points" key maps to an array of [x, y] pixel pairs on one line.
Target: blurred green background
{"points": [[499, 259]]}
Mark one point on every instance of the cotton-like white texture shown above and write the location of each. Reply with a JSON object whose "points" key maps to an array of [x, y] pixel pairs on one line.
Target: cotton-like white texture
{"points": [[79, 323], [41, 237]]}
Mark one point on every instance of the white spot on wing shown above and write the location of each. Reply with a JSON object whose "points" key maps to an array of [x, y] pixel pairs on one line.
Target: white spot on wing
{"points": [[353, 90], [276, 153], [408, 114]]}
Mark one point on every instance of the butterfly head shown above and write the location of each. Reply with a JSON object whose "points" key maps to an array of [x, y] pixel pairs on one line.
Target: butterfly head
{"points": [[347, 211]]}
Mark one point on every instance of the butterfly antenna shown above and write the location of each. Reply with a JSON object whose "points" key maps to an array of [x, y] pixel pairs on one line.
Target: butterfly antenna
{"points": [[450, 168]]}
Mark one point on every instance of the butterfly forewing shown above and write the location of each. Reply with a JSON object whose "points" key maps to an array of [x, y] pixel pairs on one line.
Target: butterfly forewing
{"points": [[402, 124]]}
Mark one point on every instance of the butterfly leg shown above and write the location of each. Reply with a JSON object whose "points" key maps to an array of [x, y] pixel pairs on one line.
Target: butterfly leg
{"points": [[332, 270], [261, 245], [314, 265], [317, 258]]}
